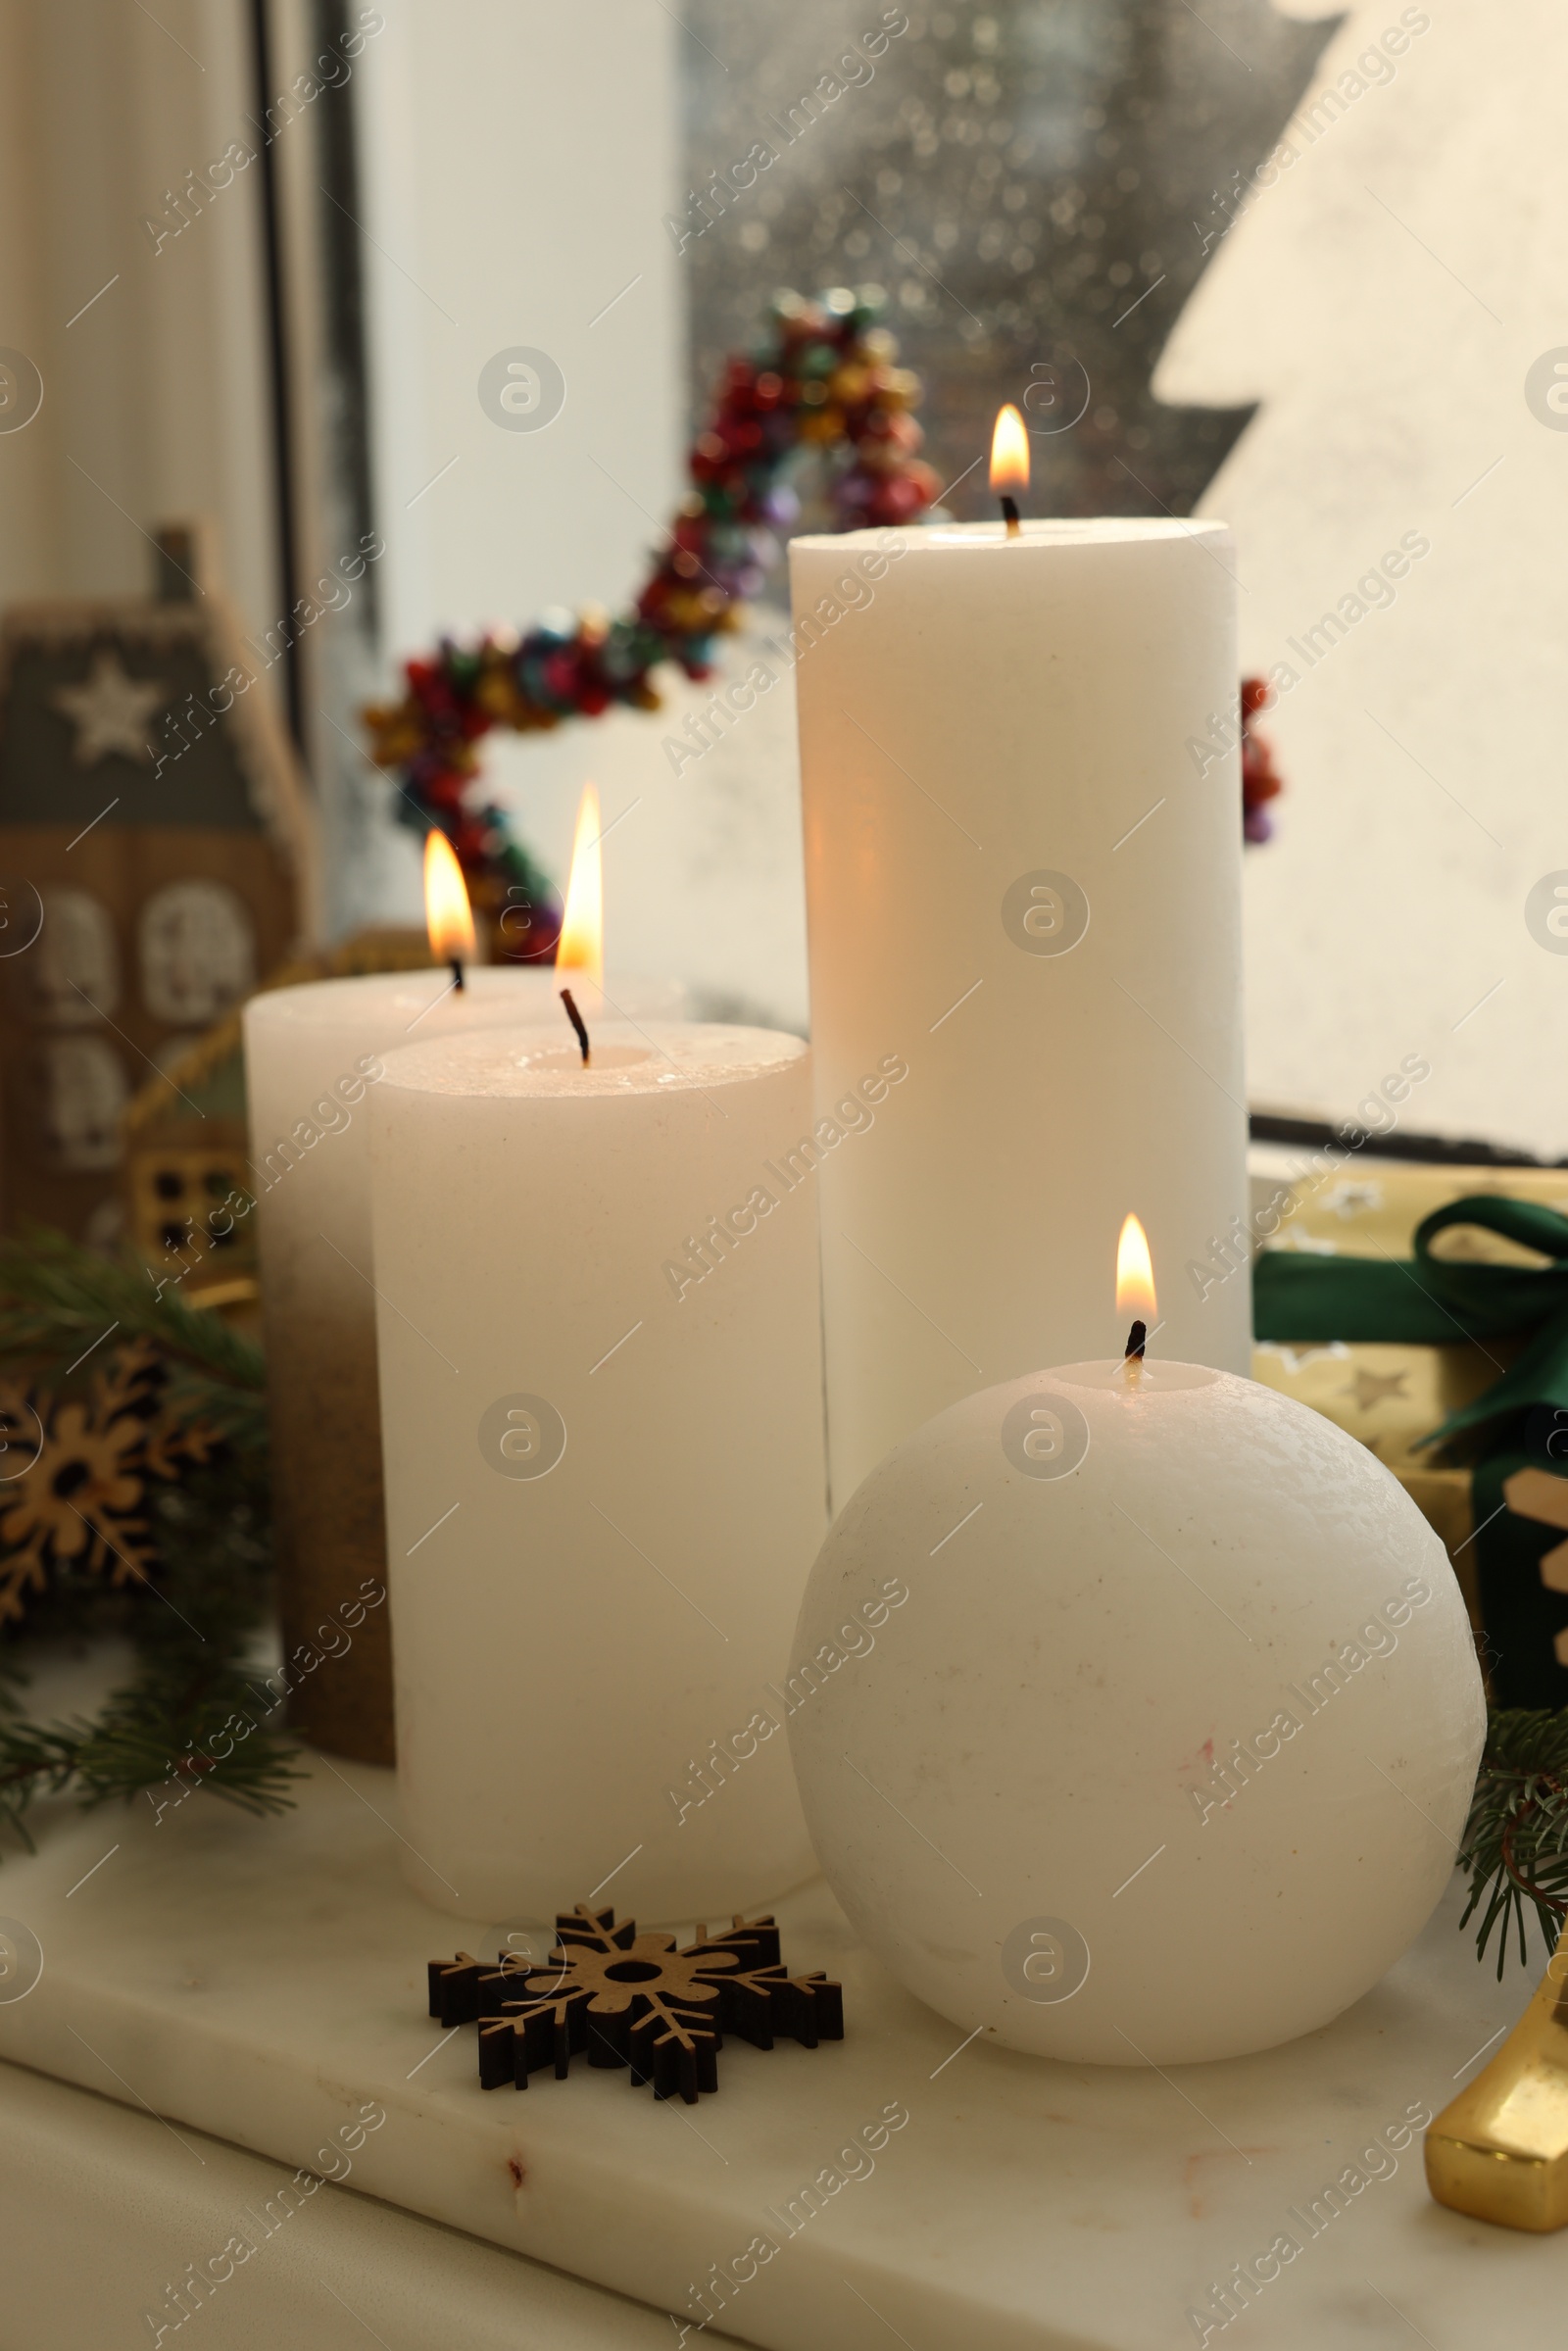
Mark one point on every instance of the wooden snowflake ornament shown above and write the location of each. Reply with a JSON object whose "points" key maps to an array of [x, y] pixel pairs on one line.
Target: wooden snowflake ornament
{"points": [[79, 1498], [630, 1999]]}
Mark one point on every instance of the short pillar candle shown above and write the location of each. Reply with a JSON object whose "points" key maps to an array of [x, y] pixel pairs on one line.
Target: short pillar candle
{"points": [[602, 1399]]}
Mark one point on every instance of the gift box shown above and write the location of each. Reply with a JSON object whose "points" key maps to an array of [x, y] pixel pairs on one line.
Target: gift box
{"points": [[1439, 1341]]}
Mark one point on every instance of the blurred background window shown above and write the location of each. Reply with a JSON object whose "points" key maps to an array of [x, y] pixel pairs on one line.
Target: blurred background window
{"points": [[260, 254], [1036, 185]]}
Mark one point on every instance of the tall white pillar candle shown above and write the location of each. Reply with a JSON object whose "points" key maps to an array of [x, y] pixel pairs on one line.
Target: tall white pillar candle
{"points": [[1020, 884], [313, 1053], [601, 1418]]}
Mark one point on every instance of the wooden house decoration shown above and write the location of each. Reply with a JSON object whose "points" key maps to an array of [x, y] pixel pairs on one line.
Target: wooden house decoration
{"points": [[157, 860], [185, 1177], [187, 1141]]}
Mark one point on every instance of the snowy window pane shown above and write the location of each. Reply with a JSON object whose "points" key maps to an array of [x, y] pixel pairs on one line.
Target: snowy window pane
{"points": [[1037, 185]]}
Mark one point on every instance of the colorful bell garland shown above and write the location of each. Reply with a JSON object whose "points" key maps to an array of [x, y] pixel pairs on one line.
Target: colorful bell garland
{"points": [[824, 378], [1261, 780]]}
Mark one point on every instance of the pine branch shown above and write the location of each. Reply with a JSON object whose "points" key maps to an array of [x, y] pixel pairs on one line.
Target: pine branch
{"points": [[187, 1717], [226, 1748], [1516, 1838], [35, 1760], [129, 1750], [57, 1298], [235, 1416]]}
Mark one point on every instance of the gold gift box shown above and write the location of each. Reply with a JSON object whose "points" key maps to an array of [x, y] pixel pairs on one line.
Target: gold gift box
{"points": [[1390, 1397]]}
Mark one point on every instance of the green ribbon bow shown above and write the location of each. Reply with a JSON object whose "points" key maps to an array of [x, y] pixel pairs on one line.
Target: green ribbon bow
{"points": [[1433, 1302]]}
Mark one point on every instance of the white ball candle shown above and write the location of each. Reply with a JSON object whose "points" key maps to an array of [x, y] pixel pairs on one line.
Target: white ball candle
{"points": [[1023, 880], [602, 1418], [313, 1055], [1164, 1752]]}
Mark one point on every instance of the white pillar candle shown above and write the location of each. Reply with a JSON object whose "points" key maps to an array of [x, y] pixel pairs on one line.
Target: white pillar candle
{"points": [[1143, 1715], [312, 1055], [601, 1415], [1019, 882]]}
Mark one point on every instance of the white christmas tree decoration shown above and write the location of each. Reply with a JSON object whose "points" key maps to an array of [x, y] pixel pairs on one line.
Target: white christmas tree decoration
{"points": [[1394, 294]]}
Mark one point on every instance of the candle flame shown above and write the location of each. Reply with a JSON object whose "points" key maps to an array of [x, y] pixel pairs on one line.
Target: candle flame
{"points": [[1135, 1273], [448, 917], [582, 927], [1009, 451]]}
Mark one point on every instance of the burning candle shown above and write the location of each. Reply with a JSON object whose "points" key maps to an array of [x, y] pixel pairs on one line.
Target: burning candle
{"points": [[447, 915], [1168, 1756], [313, 1055], [579, 951], [1135, 1286], [602, 1412], [1009, 465], [1019, 881]]}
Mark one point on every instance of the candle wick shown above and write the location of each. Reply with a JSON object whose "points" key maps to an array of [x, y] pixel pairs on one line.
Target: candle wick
{"points": [[456, 970], [575, 1018], [1137, 1341], [1009, 515]]}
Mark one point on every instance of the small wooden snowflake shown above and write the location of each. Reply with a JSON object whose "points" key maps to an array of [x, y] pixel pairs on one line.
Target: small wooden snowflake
{"points": [[79, 1501], [630, 1999]]}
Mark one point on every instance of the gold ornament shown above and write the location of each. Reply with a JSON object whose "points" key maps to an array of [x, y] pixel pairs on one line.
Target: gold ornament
{"points": [[1499, 2152]]}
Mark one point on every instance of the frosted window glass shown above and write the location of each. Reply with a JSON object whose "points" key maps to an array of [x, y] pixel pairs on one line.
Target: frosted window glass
{"points": [[1037, 186]]}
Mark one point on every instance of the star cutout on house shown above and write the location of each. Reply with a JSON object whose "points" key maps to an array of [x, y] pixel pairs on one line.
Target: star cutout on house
{"points": [[111, 711], [1371, 1388]]}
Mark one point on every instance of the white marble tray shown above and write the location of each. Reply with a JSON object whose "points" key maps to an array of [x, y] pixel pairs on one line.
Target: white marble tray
{"points": [[262, 1980], [104, 2210]]}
